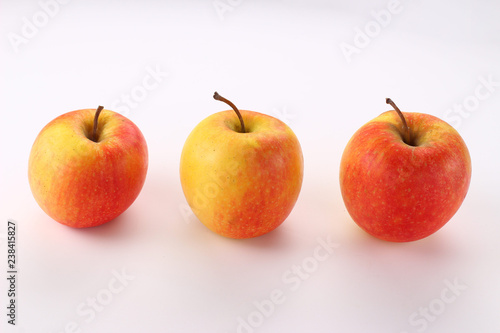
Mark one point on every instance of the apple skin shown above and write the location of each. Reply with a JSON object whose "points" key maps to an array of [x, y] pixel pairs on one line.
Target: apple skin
{"points": [[82, 183], [241, 185], [398, 192]]}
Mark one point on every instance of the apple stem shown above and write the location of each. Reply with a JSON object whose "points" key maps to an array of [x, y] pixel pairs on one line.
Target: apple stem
{"points": [[220, 98], [406, 128], [94, 131]]}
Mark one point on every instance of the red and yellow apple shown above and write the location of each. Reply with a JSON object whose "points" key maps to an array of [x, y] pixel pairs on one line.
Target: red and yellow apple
{"points": [[404, 175], [86, 167], [241, 177]]}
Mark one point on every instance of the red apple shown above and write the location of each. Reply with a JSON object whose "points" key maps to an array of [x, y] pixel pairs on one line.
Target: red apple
{"points": [[404, 175], [86, 167], [241, 176]]}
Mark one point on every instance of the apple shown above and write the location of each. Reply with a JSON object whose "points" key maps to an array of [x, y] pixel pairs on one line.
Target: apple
{"points": [[404, 175], [88, 166], [242, 175]]}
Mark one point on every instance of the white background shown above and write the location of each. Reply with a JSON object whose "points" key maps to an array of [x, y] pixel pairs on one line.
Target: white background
{"points": [[283, 58]]}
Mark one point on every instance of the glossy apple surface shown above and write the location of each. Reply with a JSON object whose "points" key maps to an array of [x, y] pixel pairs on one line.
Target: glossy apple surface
{"points": [[404, 192], [241, 185], [82, 183]]}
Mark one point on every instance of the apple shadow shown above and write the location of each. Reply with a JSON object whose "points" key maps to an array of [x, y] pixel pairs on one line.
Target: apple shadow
{"points": [[148, 216], [277, 239], [376, 274], [117, 227], [437, 246], [395, 266]]}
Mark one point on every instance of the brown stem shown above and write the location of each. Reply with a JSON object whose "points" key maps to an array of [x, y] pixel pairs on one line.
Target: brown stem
{"points": [[220, 98], [94, 131], [406, 128]]}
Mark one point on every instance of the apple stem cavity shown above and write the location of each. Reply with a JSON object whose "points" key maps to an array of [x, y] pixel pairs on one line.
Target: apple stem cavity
{"points": [[406, 128], [228, 102], [96, 117]]}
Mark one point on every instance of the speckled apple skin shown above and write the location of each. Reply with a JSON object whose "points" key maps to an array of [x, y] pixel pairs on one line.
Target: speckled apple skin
{"points": [[399, 192], [82, 183], [241, 185]]}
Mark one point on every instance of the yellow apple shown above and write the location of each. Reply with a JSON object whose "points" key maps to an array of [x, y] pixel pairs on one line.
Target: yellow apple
{"points": [[241, 175], [86, 167]]}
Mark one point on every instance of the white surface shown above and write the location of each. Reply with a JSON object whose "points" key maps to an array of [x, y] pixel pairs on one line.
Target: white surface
{"points": [[282, 58]]}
